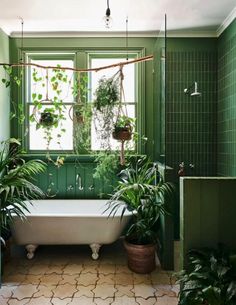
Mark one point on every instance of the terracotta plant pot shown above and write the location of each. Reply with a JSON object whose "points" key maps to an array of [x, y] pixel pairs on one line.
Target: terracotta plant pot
{"points": [[122, 134], [141, 258]]}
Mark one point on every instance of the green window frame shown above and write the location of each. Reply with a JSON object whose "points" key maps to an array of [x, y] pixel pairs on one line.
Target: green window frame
{"points": [[82, 59]]}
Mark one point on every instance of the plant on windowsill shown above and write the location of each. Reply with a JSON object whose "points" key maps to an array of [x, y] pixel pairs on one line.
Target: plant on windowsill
{"points": [[16, 184], [144, 193], [210, 277]]}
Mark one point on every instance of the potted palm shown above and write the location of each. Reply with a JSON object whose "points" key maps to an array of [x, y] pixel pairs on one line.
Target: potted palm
{"points": [[144, 193], [16, 184]]}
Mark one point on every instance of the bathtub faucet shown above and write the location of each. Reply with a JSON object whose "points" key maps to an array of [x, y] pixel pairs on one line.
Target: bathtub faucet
{"points": [[79, 182]]}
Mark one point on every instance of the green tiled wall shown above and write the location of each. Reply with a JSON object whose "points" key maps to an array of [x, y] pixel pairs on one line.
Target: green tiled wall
{"points": [[191, 121], [227, 102]]}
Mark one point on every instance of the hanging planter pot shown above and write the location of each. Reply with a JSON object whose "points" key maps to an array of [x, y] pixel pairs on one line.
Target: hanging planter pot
{"points": [[77, 116], [46, 119], [122, 133], [123, 128]]}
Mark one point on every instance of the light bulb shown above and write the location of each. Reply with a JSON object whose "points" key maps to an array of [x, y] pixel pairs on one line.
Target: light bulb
{"points": [[107, 21]]}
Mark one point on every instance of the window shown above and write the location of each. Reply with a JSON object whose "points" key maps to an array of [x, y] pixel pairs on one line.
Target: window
{"points": [[39, 86], [39, 83], [129, 99]]}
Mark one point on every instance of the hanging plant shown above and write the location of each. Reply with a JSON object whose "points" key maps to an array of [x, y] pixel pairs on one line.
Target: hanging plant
{"points": [[107, 93], [123, 128], [53, 114]]}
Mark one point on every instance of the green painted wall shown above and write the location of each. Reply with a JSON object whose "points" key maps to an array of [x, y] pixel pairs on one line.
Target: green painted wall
{"points": [[4, 93], [226, 124]]}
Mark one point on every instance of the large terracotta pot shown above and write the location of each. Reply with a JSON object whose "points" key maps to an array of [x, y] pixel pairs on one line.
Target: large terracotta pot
{"points": [[141, 258]]}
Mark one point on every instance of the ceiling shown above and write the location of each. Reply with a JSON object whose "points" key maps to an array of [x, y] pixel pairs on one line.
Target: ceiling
{"points": [[145, 16]]}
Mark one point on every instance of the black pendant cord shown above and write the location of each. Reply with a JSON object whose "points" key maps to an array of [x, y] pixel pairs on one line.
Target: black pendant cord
{"points": [[126, 38], [22, 39]]}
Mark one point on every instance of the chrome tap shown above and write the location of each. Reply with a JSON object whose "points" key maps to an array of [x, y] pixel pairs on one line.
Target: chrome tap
{"points": [[79, 182]]}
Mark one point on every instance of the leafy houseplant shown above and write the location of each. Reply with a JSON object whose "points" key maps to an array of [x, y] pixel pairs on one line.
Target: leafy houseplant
{"points": [[210, 278], [16, 184], [123, 128], [106, 94], [145, 194]]}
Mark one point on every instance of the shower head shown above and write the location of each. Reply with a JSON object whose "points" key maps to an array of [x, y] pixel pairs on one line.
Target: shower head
{"points": [[195, 92]]}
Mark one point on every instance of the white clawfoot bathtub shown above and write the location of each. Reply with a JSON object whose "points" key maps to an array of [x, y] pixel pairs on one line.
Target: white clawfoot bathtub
{"points": [[73, 222]]}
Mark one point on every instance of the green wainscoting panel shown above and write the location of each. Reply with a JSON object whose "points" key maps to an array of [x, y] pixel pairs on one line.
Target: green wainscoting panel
{"points": [[73, 180], [207, 213]]}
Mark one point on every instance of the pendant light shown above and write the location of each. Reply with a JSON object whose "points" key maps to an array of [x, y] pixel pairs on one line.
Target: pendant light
{"points": [[107, 18]]}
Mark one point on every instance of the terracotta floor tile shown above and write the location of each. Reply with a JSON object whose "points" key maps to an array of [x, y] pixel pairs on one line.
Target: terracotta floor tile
{"points": [[31, 279], [107, 269], [162, 290], [40, 301], [64, 291], [86, 279], [86, 291], [44, 291], [167, 301], [73, 269], [104, 291], [106, 279], [124, 291], [144, 291], [124, 301], [160, 278], [123, 269], [7, 291], [57, 301], [50, 279], [38, 269], [82, 301], [24, 291], [142, 279], [59, 269], [69, 279], [90, 268], [17, 302], [13, 279], [3, 301], [149, 301], [99, 301], [124, 279]]}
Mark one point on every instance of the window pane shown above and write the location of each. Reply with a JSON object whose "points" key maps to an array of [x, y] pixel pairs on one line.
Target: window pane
{"points": [[40, 86], [97, 143], [128, 71], [37, 139]]}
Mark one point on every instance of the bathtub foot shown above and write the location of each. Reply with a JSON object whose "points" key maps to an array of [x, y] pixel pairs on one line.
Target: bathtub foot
{"points": [[30, 250], [95, 249]]}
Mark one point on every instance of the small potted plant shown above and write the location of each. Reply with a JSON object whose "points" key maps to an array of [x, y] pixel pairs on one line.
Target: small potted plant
{"points": [[48, 118], [123, 128], [144, 193]]}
